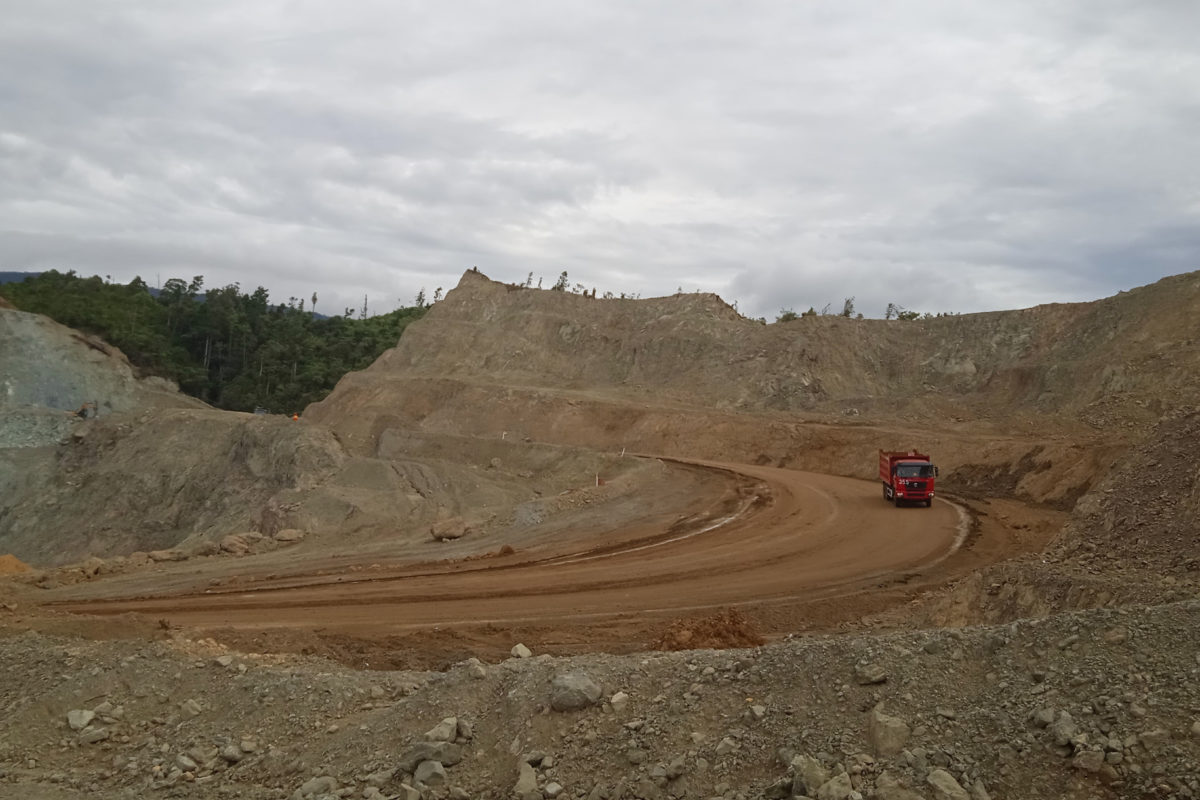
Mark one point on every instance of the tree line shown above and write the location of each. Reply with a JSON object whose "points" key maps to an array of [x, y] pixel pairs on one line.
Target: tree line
{"points": [[234, 350]]}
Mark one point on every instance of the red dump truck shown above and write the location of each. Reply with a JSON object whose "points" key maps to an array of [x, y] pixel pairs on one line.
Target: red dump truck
{"points": [[907, 477]]}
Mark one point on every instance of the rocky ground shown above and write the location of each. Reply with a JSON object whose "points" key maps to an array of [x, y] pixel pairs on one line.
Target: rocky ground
{"points": [[1100, 703]]}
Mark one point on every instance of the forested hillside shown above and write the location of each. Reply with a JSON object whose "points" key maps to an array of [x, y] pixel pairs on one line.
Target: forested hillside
{"points": [[234, 350]]}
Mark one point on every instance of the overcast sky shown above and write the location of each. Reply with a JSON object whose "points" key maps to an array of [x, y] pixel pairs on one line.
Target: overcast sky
{"points": [[945, 156]]}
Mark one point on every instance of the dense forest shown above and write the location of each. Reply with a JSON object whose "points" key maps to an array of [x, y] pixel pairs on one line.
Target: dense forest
{"points": [[234, 350]]}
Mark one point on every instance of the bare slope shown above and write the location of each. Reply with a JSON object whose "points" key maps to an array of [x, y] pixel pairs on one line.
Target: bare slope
{"points": [[1136, 353], [47, 365], [1033, 403], [158, 470]]}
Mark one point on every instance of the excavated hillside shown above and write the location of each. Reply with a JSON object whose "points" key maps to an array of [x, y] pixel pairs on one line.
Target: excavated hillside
{"points": [[478, 489], [1113, 362], [1034, 403], [47, 370], [155, 471]]}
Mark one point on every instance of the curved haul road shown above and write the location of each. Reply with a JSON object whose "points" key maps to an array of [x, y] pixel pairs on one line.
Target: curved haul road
{"points": [[776, 537]]}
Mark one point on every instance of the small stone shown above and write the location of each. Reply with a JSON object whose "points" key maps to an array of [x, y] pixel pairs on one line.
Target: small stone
{"points": [[945, 787], [726, 746], [324, 784], [836, 788], [93, 735], [430, 773], [186, 763], [619, 700], [465, 729], [380, 777], [1117, 635], [1088, 761], [79, 719], [808, 775], [191, 708], [444, 753], [1064, 729], [232, 753], [235, 544], [1152, 740], [521, 651], [869, 674], [526, 780], [224, 661], [888, 787], [552, 789], [1043, 717], [444, 731]]}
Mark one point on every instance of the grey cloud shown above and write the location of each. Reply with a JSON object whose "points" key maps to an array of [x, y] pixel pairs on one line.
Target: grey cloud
{"points": [[939, 155]]}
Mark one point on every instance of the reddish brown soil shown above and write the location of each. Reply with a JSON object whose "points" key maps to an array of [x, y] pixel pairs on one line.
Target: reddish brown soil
{"points": [[727, 628], [789, 550], [10, 564]]}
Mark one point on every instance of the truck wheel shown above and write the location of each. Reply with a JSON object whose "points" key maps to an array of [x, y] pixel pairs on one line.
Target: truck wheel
{"points": [[928, 502], [886, 499]]}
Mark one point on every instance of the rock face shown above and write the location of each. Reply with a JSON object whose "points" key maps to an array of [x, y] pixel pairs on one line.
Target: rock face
{"points": [[573, 691], [50, 366]]}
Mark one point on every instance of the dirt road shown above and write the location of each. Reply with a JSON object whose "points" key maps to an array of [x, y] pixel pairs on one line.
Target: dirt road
{"points": [[775, 540]]}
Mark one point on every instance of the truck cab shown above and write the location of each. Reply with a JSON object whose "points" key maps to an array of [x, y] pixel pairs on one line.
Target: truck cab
{"points": [[907, 477]]}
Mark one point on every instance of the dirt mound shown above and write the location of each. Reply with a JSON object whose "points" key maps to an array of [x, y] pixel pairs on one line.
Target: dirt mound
{"points": [[725, 629], [10, 564]]}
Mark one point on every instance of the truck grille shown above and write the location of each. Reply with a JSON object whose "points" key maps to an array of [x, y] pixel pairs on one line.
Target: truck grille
{"points": [[915, 486]]}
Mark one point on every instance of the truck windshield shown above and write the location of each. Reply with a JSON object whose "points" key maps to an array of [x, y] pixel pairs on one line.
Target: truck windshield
{"points": [[914, 471]]}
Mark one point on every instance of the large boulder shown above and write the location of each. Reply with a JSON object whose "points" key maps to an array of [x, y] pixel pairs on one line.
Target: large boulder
{"points": [[447, 529], [887, 734], [572, 691]]}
